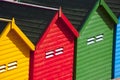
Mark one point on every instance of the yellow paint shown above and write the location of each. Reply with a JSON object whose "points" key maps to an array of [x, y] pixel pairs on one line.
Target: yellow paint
{"points": [[15, 50], [13, 26], [15, 46]]}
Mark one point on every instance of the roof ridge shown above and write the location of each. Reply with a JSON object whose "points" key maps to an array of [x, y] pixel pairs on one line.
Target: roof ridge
{"points": [[31, 5]]}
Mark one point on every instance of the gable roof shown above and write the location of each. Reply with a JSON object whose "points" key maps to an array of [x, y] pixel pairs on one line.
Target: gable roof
{"points": [[2, 26], [115, 6], [61, 16], [77, 11], [31, 20], [12, 26]]}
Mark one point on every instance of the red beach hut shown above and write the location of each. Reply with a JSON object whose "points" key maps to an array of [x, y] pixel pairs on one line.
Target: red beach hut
{"points": [[54, 54]]}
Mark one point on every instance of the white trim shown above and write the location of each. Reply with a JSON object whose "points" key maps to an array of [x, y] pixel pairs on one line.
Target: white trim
{"points": [[32, 5], [49, 56], [90, 39], [91, 42], [99, 37], [5, 20], [12, 65], [50, 52], [2, 68], [58, 53], [59, 49]]}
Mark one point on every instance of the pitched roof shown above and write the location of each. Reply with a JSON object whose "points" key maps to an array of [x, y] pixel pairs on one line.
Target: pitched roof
{"points": [[32, 21], [2, 26], [115, 6], [61, 17], [12, 26], [75, 10]]}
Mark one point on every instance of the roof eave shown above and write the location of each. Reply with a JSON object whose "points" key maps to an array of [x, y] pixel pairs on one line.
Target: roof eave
{"points": [[12, 26], [67, 22], [30, 5], [108, 10], [89, 15], [22, 35], [69, 25]]}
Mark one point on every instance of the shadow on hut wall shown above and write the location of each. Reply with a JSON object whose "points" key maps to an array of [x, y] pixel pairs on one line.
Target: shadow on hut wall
{"points": [[17, 41]]}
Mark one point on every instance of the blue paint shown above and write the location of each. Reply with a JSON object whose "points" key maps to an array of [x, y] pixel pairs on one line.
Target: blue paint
{"points": [[117, 52]]}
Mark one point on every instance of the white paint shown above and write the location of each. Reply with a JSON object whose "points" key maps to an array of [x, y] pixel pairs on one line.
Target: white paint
{"points": [[59, 49], [12, 63], [11, 0], [2, 68], [49, 56], [91, 42], [99, 36], [32, 5], [100, 39], [50, 52], [90, 39], [58, 53], [12, 67]]}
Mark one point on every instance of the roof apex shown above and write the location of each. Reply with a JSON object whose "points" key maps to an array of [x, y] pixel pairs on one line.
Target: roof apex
{"points": [[59, 15], [109, 11], [12, 26], [60, 11], [69, 25]]}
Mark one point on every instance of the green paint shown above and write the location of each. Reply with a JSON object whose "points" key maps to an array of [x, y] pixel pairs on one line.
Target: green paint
{"points": [[112, 15], [94, 62]]}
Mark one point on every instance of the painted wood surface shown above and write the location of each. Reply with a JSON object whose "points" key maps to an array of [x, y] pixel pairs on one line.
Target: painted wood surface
{"points": [[94, 49], [13, 49], [117, 52]]}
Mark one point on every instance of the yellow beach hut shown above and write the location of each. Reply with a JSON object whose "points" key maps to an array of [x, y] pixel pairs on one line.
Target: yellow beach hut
{"points": [[15, 49]]}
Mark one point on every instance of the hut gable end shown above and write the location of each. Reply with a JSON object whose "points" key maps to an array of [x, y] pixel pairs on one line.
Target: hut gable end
{"points": [[15, 49], [59, 20], [11, 26], [56, 49]]}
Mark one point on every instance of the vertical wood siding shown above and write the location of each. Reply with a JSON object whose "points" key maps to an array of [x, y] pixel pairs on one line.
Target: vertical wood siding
{"points": [[117, 52], [58, 67], [12, 48], [94, 61]]}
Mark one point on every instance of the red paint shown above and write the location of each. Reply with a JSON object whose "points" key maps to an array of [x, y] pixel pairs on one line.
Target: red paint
{"points": [[59, 67]]}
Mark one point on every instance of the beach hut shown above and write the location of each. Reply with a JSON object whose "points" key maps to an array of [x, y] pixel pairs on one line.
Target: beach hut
{"points": [[54, 54], [94, 48], [53, 36], [15, 49]]}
